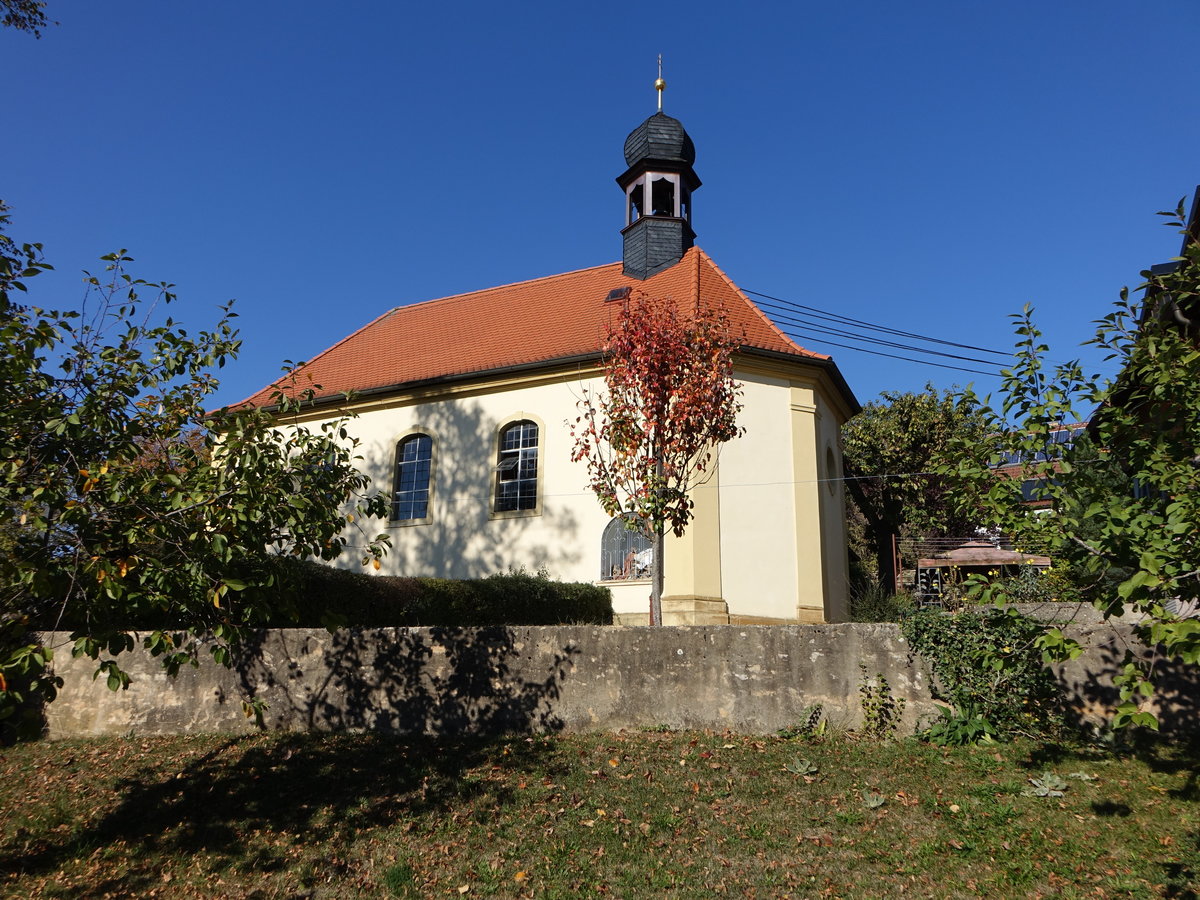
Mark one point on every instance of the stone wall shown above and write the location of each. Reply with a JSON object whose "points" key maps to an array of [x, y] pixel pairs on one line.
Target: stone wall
{"points": [[754, 679]]}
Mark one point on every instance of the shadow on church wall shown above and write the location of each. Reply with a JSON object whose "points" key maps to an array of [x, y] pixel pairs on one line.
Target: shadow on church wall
{"points": [[460, 540]]}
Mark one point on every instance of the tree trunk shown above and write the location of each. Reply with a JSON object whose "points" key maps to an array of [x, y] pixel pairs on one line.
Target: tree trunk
{"points": [[886, 560], [656, 576]]}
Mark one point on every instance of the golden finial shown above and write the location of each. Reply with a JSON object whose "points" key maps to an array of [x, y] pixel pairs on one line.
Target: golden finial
{"points": [[659, 84]]}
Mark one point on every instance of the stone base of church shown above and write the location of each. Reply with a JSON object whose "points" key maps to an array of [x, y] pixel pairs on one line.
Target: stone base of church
{"points": [[770, 620], [811, 615], [692, 610]]}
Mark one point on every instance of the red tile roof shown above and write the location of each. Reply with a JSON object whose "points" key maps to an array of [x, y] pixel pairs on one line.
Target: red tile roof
{"points": [[555, 318]]}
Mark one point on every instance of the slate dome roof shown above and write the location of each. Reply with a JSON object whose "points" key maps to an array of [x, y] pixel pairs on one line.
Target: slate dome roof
{"points": [[659, 137]]}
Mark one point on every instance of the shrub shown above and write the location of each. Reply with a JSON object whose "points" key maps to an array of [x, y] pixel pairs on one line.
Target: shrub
{"points": [[881, 709], [27, 682], [987, 663], [307, 594], [1033, 585], [872, 602]]}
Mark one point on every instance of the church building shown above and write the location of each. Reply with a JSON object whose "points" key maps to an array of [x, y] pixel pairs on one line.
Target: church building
{"points": [[463, 408]]}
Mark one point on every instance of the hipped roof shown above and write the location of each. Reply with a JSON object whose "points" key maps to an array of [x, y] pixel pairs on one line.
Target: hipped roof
{"points": [[554, 319]]}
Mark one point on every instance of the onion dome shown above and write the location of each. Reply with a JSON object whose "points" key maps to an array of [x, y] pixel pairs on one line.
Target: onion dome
{"points": [[660, 138]]}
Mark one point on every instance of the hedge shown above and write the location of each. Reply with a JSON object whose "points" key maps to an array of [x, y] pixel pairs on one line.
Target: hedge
{"points": [[311, 595], [323, 596]]}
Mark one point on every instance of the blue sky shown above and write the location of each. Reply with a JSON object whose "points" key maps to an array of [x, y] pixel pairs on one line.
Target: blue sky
{"points": [[930, 166]]}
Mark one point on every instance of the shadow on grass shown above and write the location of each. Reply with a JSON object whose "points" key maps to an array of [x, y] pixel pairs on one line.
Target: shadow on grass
{"points": [[1158, 753], [1180, 879], [1179, 758], [303, 789], [413, 712]]}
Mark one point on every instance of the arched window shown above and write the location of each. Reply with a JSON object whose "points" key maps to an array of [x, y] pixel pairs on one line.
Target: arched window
{"points": [[625, 553], [517, 467], [410, 497]]}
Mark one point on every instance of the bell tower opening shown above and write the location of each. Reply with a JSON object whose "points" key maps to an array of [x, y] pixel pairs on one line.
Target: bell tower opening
{"points": [[658, 188]]}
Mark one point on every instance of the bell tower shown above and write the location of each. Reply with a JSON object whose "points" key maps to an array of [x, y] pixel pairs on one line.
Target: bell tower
{"points": [[658, 188]]}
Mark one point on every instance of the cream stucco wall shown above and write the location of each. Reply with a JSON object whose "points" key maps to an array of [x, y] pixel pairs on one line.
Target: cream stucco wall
{"points": [[461, 538], [767, 543]]}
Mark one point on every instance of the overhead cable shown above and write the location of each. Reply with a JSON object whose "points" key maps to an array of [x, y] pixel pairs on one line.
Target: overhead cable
{"points": [[848, 320], [923, 362], [837, 332]]}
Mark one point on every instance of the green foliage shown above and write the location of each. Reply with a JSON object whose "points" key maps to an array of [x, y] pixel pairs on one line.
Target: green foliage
{"points": [[1034, 585], [873, 602], [1049, 785], [988, 663], [125, 501], [889, 450], [26, 681], [802, 767], [880, 707], [1145, 543], [873, 799], [307, 594], [812, 724], [322, 596], [957, 728]]}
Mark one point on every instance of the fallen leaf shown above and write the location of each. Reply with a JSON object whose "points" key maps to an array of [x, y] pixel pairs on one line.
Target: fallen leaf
{"points": [[520, 876]]}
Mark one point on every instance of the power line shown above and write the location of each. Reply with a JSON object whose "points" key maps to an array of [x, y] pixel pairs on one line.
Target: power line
{"points": [[837, 332], [923, 362], [848, 320]]}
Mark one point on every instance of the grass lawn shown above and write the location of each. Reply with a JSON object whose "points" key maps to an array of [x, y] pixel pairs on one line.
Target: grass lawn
{"points": [[628, 815]]}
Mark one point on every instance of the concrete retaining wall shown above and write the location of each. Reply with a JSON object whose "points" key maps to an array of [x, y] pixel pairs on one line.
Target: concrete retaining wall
{"points": [[754, 679]]}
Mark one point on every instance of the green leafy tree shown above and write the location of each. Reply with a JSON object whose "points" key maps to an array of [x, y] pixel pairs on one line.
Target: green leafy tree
{"points": [[652, 435], [1140, 532], [125, 504], [890, 449]]}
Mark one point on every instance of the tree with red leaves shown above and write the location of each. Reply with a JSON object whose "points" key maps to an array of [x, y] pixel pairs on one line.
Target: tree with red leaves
{"points": [[652, 435]]}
